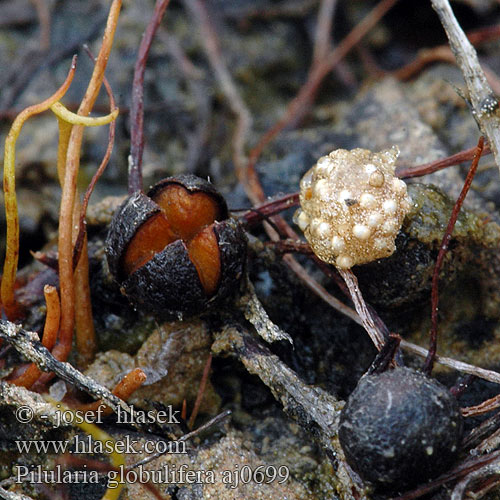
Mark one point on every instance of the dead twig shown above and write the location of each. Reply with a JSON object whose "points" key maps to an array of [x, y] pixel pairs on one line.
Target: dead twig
{"points": [[483, 101], [255, 313], [369, 325], [460, 366]]}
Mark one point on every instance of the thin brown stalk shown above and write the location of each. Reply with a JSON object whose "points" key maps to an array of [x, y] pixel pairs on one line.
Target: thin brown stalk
{"points": [[269, 208], [85, 339], [320, 291], [443, 53], [434, 166], [201, 391], [443, 249], [137, 106], [213, 421]]}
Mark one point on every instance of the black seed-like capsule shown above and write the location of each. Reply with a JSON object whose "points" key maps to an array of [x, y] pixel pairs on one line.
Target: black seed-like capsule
{"points": [[174, 251], [400, 428]]}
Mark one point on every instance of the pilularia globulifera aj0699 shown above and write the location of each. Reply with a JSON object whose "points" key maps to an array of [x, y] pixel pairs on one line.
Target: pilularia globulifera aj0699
{"points": [[174, 251], [400, 428]]}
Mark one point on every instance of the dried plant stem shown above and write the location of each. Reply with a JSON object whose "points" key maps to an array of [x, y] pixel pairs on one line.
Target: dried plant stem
{"points": [[359, 303], [65, 245], [443, 249], [483, 101], [137, 107], [123, 390], [201, 391], [29, 377], [12, 243]]}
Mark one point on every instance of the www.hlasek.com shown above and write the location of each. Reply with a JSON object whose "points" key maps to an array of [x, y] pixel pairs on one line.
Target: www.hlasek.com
{"points": [[87, 445], [168, 474]]}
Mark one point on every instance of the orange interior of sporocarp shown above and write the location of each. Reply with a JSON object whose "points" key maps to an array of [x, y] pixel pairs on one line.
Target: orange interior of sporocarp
{"points": [[184, 216]]}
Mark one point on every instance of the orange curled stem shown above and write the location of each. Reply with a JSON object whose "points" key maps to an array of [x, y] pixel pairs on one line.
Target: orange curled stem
{"points": [[65, 244], [29, 377], [201, 391], [124, 389], [9, 186]]}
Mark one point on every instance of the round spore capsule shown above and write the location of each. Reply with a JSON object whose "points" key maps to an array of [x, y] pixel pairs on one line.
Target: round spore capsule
{"points": [[400, 428]]}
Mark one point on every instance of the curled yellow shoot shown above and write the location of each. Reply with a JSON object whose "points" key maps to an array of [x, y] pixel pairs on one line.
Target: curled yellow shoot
{"points": [[9, 185], [63, 113], [117, 459]]}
